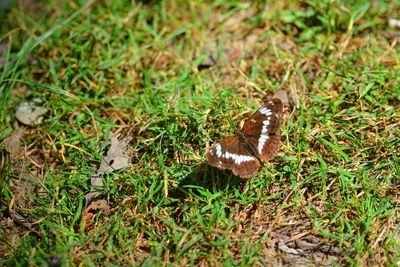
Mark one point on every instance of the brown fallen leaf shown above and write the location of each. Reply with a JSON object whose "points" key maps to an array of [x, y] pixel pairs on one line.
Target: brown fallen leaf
{"points": [[289, 101], [87, 217], [370, 122], [12, 143], [100, 204], [90, 211]]}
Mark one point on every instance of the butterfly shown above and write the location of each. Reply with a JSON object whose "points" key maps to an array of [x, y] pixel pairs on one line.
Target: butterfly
{"points": [[258, 140]]}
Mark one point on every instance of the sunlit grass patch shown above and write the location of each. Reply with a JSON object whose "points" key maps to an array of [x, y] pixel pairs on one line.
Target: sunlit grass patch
{"points": [[175, 78]]}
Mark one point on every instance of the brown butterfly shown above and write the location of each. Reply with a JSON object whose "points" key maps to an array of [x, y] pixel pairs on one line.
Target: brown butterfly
{"points": [[258, 141]]}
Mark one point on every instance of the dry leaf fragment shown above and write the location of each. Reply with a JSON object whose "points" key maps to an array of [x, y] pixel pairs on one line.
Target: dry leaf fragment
{"points": [[12, 143], [282, 246], [30, 113], [370, 122], [89, 212], [394, 23], [19, 219], [100, 204], [288, 100], [118, 157]]}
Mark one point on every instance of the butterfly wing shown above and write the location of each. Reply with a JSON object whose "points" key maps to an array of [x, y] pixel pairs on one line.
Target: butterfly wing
{"points": [[230, 154], [262, 129]]}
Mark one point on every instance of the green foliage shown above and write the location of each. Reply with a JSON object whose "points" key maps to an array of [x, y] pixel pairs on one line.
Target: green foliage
{"points": [[139, 68]]}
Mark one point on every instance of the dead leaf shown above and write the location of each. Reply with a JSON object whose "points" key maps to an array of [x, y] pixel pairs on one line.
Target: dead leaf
{"points": [[394, 23], [370, 122], [90, 211], [303, 249], [88, 219], [286, 249], [19, 219], [100, 204], [30, 113], [288, 100], [12, 143], [391, 36], [118, 157]]}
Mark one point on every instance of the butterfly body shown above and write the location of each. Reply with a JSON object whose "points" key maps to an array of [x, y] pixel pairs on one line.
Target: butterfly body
{"points": [[243, 140], [257, 141]]}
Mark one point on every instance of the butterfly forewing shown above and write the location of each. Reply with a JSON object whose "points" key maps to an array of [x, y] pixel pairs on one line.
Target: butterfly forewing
{"points": [[231, 154], [262, 129]]}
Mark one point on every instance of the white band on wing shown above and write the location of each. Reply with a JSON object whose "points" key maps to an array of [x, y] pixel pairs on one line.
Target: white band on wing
{"points": [[237, 158], [263, 135], [265, 111]]}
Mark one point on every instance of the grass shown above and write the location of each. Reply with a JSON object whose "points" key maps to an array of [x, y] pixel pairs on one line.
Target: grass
{"points": [[329, 196]]}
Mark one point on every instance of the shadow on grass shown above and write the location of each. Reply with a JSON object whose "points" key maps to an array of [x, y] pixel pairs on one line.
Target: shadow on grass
{"points": [[207, 178]]}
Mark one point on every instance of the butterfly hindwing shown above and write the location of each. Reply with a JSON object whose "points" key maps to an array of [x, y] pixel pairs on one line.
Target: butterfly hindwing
{"points": [[271, 148], [231, 154], [262, 129]]}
